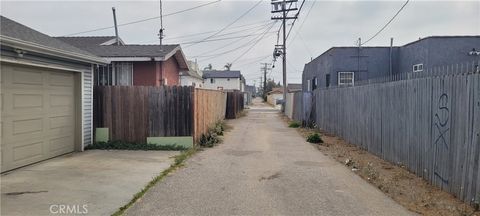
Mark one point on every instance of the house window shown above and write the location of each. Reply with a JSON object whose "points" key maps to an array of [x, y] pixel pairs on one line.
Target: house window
{"points": [[117, 73], [327, 80], [314, 83], [418, 68], [346, 78], [309, 85], [212, 80], [123, 73]]}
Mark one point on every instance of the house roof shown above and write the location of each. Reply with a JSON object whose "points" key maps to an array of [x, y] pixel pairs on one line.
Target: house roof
{"points": [[276, 90], [221, 74], [15, 32], [432, 37], [94, 45], [103, 46], [294, 87]]}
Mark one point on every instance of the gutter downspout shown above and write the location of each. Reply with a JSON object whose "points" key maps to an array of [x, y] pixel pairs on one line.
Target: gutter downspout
{"points": [[391, 50]]}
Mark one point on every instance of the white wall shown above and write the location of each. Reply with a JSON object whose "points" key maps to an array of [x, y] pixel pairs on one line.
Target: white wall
{"points": [[272, 99], [225, 83], [188, 81]]}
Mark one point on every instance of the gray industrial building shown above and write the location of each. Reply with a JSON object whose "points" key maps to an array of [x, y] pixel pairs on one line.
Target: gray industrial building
{"points": [[346, 65]]}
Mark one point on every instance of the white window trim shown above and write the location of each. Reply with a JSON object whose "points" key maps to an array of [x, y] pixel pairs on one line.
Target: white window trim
{"points": [[346, 84], [418, 66]]}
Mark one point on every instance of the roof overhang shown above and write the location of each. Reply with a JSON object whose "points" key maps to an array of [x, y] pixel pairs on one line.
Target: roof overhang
{"points": [[177, 53], [34, 47]]}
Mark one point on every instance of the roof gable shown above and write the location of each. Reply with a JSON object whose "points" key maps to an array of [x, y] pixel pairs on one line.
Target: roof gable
{"points": [[221, 74], [22, 33]]}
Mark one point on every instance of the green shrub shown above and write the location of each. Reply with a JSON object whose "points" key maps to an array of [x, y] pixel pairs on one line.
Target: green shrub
{"points": [[209, 139], [314, 138], [294, 124], [121, 145]]}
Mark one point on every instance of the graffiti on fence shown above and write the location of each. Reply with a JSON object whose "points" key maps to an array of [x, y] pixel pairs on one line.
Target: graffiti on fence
{"points": [[441, 132]]}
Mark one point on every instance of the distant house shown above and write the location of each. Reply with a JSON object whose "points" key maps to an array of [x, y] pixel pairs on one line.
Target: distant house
{"points": [[223, 80], [275, 96], [294, 87], [46, 96], [343, 66], [192, 76], [147, 65]]}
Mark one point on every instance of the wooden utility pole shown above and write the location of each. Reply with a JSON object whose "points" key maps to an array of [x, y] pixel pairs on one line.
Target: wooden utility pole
{"points": [[280, 6], [265, 68]]}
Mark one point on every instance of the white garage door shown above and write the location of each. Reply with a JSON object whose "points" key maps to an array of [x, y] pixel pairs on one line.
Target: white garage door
{"points": [[38, 114]]}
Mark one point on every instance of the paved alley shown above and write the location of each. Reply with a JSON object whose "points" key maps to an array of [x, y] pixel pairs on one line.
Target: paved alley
{"points": [[264, 168]]}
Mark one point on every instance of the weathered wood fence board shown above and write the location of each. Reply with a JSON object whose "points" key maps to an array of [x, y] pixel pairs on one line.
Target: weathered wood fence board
{"points": [[133, 113], [429, 124], [235, 104], [209, 106]]}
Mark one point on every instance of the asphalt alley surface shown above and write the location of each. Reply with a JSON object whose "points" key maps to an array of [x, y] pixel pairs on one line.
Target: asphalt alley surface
{"points": [[264, 168]]}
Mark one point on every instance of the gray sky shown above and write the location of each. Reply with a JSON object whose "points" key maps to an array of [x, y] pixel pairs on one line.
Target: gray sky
{"points": [[330, 23]]}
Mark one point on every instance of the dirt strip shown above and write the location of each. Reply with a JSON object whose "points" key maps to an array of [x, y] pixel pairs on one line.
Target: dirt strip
{"points": [[397, 182]]}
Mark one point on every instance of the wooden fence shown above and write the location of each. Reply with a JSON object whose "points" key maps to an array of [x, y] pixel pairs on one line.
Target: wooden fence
{"points": [[429, 124], [209, 108], [133, 113], [235, 104]]}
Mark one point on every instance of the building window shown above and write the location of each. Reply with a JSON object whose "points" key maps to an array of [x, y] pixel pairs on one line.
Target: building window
{"points": [[418, 68], [314, 83], [346, 78], [327, 80], [212, 80], [117, 73], [123, 73], [309, 85]]}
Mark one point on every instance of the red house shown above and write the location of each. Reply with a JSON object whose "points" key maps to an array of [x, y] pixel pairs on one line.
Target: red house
{"points": [[146, 65]]}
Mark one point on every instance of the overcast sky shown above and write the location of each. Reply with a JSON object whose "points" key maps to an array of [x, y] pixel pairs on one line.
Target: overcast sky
{"points": [[329, 23]]}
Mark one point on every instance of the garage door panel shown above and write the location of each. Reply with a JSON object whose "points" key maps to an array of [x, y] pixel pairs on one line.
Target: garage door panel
{"points": [[61, 79], [38, 120], [27, 76], [27, 152], [57, 146], [27, 100], [27, 126]]}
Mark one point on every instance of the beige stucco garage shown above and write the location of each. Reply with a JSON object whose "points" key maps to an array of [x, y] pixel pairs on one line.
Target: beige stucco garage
{"points": [[46, 96]]}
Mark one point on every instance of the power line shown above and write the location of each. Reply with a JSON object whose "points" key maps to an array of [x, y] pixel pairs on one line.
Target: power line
{"points": [[230, 24], [143, 20], [234, 49], [303, 22], [222, 47], [255, 24], [396, 14], [296, 15], [221, 39], [263, 35]]}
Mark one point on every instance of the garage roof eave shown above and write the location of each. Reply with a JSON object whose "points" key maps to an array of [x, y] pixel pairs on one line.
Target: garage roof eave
{"points": [[29, 46]]}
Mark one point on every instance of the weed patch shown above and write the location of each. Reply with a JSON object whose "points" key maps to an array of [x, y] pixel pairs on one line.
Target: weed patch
{"points": [[121, 145], [294, 124], [314, 138], [179, 162]]}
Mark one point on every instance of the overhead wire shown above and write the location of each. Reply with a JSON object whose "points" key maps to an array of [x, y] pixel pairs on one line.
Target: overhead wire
{"points": [[385, 26], [144, 20], [253, 45], [230, 24]]}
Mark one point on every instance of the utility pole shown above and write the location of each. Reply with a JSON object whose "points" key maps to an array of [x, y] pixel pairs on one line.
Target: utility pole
{"points": [[280, 6], [265, 68], [116, 28], [160, 32]]}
